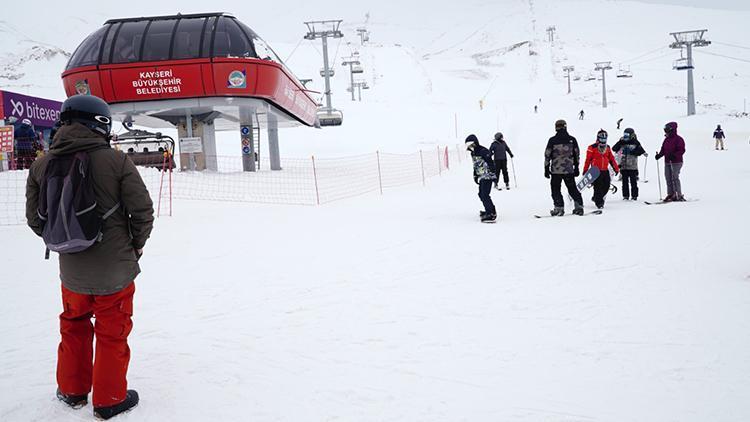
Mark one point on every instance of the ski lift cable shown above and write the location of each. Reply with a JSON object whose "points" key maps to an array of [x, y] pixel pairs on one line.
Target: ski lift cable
{"points": [[724, 56], [731, 45], [294, 50], [336, 54], [651, 59], [644, 55]]}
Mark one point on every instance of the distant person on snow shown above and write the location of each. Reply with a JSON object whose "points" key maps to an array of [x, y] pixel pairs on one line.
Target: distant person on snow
{"points": [[484, 176], [561, 164], [619, 122], [599, 154], [719, 136], [672, 149], [580, 115], [536, 108], [500, 152], [27, 144], [99, 247], [630, 149]]}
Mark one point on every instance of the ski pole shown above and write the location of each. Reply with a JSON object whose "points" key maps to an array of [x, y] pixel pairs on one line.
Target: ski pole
{"points": [[645, 173], [658, 175], [513, 167]]}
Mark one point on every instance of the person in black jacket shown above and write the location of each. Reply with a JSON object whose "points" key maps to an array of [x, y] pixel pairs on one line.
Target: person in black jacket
{"points": [[631, 150], [561, 164], [484, 175], [500, 152]]}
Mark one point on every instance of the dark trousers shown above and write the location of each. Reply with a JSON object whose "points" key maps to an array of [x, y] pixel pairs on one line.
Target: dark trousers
{"points": [[601, 187], [570, 183], [485, 187], [629, 183], [502, 166]]}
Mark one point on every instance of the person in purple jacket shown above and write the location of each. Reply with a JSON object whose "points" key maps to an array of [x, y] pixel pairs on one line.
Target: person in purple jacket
{"points": [[672, 150]]}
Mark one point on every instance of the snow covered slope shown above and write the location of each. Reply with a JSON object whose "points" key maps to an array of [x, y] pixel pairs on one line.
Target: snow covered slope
{"points": [[404, 307]]}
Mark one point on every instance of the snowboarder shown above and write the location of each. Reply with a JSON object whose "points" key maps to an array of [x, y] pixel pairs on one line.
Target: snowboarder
{"points": [[719, 137], [561, 164], [599, 154], [500, 151], [672, 149], [580, 115], [619, 122], [97, 281], [484, 176], [630, 149]]}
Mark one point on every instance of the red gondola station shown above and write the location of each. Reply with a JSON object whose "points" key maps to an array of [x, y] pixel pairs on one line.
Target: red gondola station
{"points": [[200, 73]]}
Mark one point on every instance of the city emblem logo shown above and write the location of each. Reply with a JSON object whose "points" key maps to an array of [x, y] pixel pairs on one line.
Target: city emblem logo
{"points": [[82, 87], [237, 79]]}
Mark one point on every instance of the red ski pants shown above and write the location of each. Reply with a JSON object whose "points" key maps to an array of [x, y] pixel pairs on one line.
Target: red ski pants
{"points": [[77, 369]]}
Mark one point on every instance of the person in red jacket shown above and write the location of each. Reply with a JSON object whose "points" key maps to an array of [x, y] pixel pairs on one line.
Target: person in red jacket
{"points": [[600, 155]]}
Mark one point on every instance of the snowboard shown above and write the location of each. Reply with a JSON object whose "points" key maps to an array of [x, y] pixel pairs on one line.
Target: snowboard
{"points": [[588, 178], [594, 212], [671, 202]]}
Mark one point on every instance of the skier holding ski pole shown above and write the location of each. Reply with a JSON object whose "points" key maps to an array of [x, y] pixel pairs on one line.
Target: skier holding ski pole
{"points": [[672, 150]]}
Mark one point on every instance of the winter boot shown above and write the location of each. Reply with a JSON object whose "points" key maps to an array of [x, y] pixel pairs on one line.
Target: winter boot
{"points": [[507, 186], [488, 218], [625, 198], [578, 210], [669, 198], [74, 401], [107, 412], [557, 212]]}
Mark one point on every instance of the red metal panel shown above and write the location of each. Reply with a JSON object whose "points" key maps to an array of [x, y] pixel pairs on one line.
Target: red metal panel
{"points": [[83, 82]]}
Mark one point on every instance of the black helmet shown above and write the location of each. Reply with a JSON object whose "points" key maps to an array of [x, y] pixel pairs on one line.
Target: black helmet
{"points": [[499, 136], [88, 110]]}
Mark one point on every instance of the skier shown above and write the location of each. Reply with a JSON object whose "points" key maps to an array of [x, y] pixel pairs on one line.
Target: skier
{"points": [[484, 175], [561, 164], [719, 136], [630, 149], [98, 280], [672, 149], [619, 122], [27, 144], [599, 154], [580, 115], [500, 151]]}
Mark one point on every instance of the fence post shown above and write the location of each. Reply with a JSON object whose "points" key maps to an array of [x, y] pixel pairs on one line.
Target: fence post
{"points": [[447, 159], [440, 162], [380, 176], [421, 164], [315, 177]]}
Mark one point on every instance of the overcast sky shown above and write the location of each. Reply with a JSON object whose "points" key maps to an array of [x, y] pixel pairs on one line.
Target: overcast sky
{"points": [[710, 4]]}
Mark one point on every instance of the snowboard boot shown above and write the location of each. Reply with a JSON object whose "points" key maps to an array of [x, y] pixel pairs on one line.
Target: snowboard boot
{"points": [[557, 212], [482, 213], [74, 401], [625, 198], [507, 186], [488, 218], [107, 412], [578, 211]]}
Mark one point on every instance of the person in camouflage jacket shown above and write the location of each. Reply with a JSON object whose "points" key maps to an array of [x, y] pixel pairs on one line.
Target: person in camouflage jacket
{"points": [[561, 164], [630, 149], [484, 175]]}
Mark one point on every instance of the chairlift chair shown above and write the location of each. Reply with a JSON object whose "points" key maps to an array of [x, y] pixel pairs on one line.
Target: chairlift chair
{"points": [[330, 117], [331, 72], [681, 64]]}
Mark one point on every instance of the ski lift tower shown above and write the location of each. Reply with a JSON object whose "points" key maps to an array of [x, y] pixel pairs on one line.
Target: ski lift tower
{"points": [[688, 40], [364, 35], [604, 66], [354, 67], [328, 116], [567, 70]]}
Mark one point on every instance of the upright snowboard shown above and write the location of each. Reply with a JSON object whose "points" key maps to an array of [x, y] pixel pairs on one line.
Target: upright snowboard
{"points": [[588, 178]]}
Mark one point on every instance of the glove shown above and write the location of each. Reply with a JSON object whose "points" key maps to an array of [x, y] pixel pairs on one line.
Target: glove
{"points": [[658, 155], [577, 172], [546, 173], [645, 154]]}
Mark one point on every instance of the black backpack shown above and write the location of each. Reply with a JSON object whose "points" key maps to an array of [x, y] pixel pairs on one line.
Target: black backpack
{"points": [[67, 205]]}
